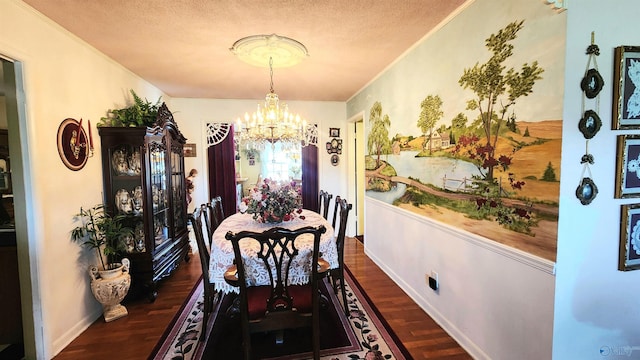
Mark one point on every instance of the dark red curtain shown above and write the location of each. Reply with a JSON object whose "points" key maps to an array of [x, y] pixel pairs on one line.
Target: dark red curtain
{"points": [[310, 177], [222, 173]]}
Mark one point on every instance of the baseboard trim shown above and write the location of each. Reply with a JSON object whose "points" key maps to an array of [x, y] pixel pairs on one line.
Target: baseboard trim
{"points": [[63, 341], [451, 329]]}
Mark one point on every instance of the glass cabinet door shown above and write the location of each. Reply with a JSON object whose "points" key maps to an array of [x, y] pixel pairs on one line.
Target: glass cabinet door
{"points": [[159, 194], [126, 188], [178, 190]]}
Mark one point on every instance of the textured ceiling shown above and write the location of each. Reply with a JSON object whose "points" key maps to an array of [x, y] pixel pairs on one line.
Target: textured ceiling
{"points": [[182, 46]]}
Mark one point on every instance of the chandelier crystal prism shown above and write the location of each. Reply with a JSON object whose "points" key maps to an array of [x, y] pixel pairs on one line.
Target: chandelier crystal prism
{"points": [[272, 121]]}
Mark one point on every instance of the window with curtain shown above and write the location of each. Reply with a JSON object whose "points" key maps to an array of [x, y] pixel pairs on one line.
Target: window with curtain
{"points": [[281, 163]]}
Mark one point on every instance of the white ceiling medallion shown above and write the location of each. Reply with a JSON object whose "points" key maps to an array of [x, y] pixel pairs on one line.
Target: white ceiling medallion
{"points": [[256, 50]]}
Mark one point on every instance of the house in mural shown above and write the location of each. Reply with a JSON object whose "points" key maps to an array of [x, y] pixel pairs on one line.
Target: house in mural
{"points": [[437, 141]]}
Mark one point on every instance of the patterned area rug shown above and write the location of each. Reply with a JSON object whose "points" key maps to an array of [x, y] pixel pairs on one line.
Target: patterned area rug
{"points": [[361, 335]]}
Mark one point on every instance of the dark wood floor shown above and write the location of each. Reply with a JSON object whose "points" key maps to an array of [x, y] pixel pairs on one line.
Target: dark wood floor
{"points": [[422, 336], [134, 336]]}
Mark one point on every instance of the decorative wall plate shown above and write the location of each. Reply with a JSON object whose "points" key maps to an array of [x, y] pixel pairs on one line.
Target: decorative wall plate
{"points": [[137, 200], [334, 146], [586, 191], [72, 144], [335, 159], [123, 201], [590, 124], [134, 161], [119, 161], [592, 83]]}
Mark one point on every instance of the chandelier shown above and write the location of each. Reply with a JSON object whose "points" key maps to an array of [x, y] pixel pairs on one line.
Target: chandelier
{"points": [[272, 121]]}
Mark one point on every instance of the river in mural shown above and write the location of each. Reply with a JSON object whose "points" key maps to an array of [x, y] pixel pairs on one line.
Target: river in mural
{"points": [[442, 172]]}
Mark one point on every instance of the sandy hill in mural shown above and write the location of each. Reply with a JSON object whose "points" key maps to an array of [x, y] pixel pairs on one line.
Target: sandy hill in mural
{"points": [[492, 174]]}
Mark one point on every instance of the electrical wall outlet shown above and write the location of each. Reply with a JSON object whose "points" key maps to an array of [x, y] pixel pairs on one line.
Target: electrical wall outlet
{"points": [[434, 284]]}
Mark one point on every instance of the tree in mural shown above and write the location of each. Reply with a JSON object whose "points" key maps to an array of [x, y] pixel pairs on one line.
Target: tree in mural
{"points": [[430, 113], [459, 122], [511, 123], [378, 141], [458, 126], [497, 88], [549, 173]]}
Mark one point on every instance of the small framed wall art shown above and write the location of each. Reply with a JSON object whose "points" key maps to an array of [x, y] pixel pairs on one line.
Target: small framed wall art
{"points": [[335, 159], [334, 132], [189, 150], [628, 166], [626, 88], [629, 258]]}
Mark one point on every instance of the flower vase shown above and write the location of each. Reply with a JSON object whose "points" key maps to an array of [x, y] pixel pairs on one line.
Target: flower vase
{"points": [[110, 287]]}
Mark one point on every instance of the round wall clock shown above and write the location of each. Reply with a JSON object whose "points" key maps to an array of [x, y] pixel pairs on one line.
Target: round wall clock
{"points": [[73, 144]]}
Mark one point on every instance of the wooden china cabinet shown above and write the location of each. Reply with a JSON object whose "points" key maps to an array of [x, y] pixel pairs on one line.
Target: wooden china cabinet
{"points": [[143, 170]]}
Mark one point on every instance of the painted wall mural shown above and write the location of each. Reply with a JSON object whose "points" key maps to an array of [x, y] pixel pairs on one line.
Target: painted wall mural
{"points": [[474, 139]]}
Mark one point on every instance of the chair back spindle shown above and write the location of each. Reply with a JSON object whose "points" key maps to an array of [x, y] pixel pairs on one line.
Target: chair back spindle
{"points": [[335, 212], [324, 198], [213, 215], [337, 275]]}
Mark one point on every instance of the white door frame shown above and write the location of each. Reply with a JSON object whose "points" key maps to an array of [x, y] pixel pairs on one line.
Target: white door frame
{"points": [[356, 193]]}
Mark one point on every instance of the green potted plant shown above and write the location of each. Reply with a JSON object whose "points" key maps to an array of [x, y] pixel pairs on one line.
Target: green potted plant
{"points": [[141, 113], [106, 234]]}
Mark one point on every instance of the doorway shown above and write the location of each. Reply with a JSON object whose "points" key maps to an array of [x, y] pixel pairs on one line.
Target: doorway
{"points": [[359, 178], [11, 334], [13, 117]]}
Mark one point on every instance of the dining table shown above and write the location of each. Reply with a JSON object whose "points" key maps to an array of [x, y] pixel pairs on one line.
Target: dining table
{"points": [[222, 255]]}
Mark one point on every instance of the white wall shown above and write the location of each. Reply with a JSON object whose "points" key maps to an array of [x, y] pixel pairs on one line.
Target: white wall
{"points": [[63, 77], [496, 302], [193, 114], [596, 306]]}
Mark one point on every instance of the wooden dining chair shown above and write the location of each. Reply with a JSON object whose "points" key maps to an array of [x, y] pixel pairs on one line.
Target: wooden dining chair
{"points": [[279, 305], [217, 214], [206, 213], [335, 212], [324, 198], [210, 294], [337, 274]]}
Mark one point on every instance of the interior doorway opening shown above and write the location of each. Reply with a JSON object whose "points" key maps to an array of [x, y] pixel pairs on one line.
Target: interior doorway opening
{"points": [[11, 330], [15, 110], [356, 174]]}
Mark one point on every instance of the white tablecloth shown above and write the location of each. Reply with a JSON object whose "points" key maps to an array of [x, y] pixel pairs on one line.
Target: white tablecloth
{"points": [[222, 250]]}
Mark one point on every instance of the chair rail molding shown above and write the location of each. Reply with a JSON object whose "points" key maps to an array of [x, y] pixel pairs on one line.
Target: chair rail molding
{"points": [[533, 261]]}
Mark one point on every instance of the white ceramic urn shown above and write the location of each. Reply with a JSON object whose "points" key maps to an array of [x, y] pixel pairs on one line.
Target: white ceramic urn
{"points": [[110, 287]]}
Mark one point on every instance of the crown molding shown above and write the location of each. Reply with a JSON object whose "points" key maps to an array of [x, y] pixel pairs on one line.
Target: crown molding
{"points": [[558, 5]]}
